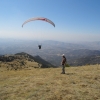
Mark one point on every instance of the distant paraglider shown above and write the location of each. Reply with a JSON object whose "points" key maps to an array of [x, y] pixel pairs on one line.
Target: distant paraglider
{"points": [[39, 46], [41, 19]]}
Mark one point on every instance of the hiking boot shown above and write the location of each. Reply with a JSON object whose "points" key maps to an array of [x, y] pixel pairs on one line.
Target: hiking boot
{"points": [[62, 73]]}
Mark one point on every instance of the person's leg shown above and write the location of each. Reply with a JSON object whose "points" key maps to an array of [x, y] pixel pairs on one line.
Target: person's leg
{"points": [[63, 69]]}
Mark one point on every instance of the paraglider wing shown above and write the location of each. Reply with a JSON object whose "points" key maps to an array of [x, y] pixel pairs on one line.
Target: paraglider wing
{"points": [[39, 18]]}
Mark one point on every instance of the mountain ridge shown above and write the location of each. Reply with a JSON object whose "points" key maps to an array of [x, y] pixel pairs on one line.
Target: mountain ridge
{"points": [[23, 61], [51, 51]]}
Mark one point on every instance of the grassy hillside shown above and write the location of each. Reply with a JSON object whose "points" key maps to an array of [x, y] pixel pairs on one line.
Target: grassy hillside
{"points": [[22, 60], [79, 83]]}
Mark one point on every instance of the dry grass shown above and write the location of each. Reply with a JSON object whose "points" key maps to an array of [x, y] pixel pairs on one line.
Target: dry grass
{"points": [[79, 83], [18, 65]]}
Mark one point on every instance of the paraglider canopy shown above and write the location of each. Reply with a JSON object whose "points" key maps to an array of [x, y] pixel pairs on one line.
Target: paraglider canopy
{"points": [[38, 18]]}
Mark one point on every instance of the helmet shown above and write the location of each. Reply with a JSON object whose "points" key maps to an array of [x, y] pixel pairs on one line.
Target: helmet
{"points": [[63, 55]]}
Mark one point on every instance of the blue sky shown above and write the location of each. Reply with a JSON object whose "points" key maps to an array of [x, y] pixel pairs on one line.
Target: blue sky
{"points": [[75, 20]]}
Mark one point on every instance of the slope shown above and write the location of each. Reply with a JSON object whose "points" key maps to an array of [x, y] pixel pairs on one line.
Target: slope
{"points": [[79, 83]]}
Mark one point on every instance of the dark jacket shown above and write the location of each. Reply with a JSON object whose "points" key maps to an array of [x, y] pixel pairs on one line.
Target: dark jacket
{"points": [[64, 60]]}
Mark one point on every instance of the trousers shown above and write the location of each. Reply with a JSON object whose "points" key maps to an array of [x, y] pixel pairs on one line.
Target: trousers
{"points": [[63, 69]]}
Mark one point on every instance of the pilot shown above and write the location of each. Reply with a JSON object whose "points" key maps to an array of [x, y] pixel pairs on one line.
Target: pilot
{"points": [[39, 46]]}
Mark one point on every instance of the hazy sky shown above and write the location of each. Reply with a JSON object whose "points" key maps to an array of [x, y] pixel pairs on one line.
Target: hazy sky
{"points": [[75, 20]]}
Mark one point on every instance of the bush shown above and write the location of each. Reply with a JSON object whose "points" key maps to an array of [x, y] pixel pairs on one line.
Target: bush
{"points": [[67, 65]]}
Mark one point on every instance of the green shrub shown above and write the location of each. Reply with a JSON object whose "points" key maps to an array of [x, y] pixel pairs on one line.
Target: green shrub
{"points": [[67, 65]]}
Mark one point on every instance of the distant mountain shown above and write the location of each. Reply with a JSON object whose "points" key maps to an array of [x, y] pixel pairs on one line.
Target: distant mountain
{"points": [[51, 51], [24, 57], [38, 59], [89, 60], [83, 57]]}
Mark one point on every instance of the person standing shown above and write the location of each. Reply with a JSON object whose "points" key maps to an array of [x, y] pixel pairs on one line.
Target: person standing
{"points": [[63, 63]]}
